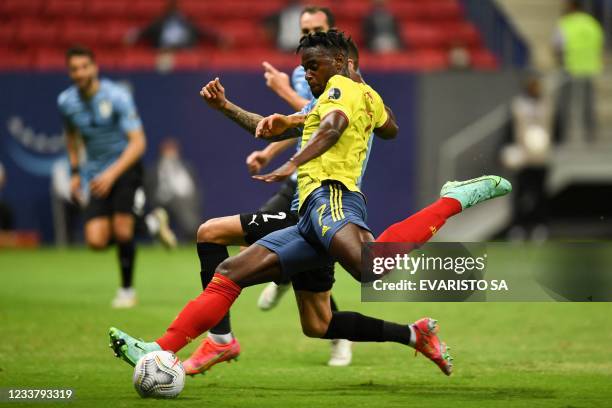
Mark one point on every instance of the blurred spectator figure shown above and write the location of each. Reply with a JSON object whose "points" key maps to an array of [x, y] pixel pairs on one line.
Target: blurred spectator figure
{"points": [[173, 187], [284, 26], [578, 43], [380, 29], [459, 57], [527, 155], [66, 212], [6, 215], [173, 31]]}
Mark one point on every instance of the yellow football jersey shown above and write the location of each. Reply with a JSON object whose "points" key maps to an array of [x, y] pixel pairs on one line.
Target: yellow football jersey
{"points": [[343, 162]]}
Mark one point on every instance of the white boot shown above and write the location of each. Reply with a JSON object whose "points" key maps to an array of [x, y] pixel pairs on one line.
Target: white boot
{"points": [[124, 299], [341, 353]]}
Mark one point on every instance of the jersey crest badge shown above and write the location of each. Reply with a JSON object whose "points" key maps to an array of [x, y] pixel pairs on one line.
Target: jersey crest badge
{"points": [[106, 108], [334, 93]]}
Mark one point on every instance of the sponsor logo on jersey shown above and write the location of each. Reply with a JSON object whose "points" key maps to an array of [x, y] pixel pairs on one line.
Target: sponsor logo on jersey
{"points": [[106, 108]]}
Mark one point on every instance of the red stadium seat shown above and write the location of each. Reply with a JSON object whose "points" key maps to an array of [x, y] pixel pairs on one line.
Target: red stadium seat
{"points": [[13, 60], [423, 36], [428, 28], [64, 8], [245, 34], [146, 9], [108, 58], [7, 34], [425, 60], [79, 33], [137, 59], [49, 59], [195, 9], [114, 33], [19, 8], [107, 9], [464, 33], [190, 60], [351, 28], [352, 11], [33, 33]]}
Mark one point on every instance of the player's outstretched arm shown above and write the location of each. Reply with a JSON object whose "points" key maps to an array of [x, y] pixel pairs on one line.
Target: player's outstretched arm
{"points": [[213, 94], [390, 129], [330, 129], [279, 82]]}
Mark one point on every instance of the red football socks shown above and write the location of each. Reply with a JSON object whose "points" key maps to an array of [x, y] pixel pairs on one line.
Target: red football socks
{"points": [[201, 314], [420, 227]]}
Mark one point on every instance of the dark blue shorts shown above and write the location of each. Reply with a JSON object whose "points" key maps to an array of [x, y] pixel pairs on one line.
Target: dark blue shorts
{"points": [[304, 246], [327, 210]]}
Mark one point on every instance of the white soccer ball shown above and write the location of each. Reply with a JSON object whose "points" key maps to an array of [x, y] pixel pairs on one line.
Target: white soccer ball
{"points": [[159, 374]]}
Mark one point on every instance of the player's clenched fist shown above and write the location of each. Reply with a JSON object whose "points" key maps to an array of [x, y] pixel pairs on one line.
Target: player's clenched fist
{"points": [[256, 161], [214, 94]]}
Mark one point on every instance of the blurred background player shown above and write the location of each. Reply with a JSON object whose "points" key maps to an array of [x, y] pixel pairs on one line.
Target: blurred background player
{"points": [[172, 185], [297, 94], [102, 116], [528, 155]]}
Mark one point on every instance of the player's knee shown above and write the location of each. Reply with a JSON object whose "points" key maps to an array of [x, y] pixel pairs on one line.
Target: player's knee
{"points": [[315, 329], [96, 242], [123, 234], [229, 269], [225, 269], [210, 232]]}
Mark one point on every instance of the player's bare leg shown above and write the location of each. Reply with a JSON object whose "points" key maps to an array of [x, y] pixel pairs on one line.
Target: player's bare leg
{"points": [[222, 231], [315, 315], [98, 233]]}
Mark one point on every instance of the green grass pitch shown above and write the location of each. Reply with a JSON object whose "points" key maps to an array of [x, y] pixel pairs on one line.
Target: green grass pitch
{"points": [[55, 314]]}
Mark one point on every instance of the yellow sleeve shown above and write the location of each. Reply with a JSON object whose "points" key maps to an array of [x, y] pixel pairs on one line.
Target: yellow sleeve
{"points": [[380, 113], [337, 97]]}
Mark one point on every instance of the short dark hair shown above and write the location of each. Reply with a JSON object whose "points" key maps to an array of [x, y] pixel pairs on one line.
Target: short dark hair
{"points": [[332, 40], [79, 51], [331, 20], [353, 52]]}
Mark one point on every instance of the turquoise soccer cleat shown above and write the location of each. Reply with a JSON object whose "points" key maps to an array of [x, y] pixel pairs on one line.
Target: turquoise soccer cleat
{"points": [[128, 348], [474, 191]]}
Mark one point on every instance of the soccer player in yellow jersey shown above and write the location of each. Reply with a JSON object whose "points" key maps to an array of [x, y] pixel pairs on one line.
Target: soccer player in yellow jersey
{"points": [[332, 214]]}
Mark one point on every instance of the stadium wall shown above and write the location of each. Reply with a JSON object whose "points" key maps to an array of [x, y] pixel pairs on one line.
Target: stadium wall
{"points": [[31, 141], [449, 102]]}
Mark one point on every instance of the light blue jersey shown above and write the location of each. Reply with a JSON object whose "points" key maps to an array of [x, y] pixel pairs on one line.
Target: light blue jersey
{"points": [[103, 122], [299, 84]]}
